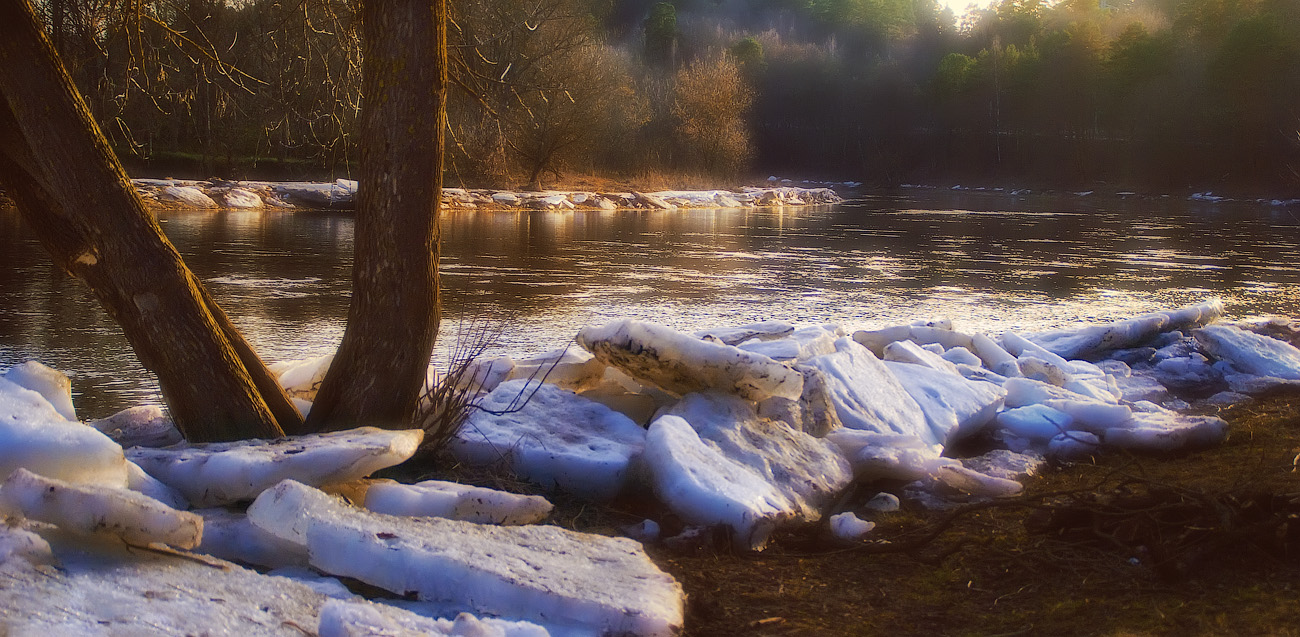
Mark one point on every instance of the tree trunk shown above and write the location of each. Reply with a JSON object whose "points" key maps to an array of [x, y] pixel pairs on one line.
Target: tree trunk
{"points": [[380, 367], [73, 193]]}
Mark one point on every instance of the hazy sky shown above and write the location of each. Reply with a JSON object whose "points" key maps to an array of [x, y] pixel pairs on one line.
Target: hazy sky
{"points": [[959, 6]]}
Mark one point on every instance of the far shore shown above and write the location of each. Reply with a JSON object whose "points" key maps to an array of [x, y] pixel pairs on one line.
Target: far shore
{"points": [[341, 195]]}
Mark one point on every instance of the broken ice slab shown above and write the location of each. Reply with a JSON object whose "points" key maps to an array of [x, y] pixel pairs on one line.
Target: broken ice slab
{"points": [[680, 364], [705, 487], [1249, 352], [143, 426], [103, 588], [358, 618], [1093, 341], [438, 498], [214, 474], [954, 407], [765, 331], [137, 519], [552, 437], [51, 383], [808, 472], [229, 535], [34, 436], [606, 585], [866, 394], [570, 368]]}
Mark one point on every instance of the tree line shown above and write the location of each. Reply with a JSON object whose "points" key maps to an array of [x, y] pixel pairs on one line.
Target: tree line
{"points": [[1148, 94]]}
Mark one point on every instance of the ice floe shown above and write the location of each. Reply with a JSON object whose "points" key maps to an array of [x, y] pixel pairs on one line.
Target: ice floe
{"points": [[681, 364], [552, 437], [134, 517], [438, 498], [212, 474], [606, 585]]}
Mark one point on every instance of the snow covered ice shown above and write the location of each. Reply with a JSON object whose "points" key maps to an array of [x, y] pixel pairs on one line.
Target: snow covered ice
{"points": [[544, 573], [212, 474], [438, 498], [681, 364], [136, 518], [552, 437], [35, 436]]}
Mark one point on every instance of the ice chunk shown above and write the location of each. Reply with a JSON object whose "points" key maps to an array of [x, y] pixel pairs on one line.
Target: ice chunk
{"points": [[487, 374], [339, 618], [909, 352], [954, 407], [139, 481], [109, 590], [457, 502], [803, 344], [20, 544], [883, 502], [876, 340], [552, 437], [242, 199], [143, 426], [571, 369], [973, 482], [849, 527], [34, 436], [1073, 445], [136, 518], [1096, 340], [765, 331], [212, 474], [1036, 422], [1142, 386], [302, 378], [962, 356], [814, 412], [50, 383], [605, 585], [996, 359], [703, 486], [867, 395], [1254, 385], [888, 456], [188, 196], [1249, 352], [1193, 373], [231, 536], [1163, 430], [1005, 464], [680, 364], [808, 472]]}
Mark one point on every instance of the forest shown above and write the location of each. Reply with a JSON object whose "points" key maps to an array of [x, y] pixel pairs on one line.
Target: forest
{"points": [[1156, 95]]}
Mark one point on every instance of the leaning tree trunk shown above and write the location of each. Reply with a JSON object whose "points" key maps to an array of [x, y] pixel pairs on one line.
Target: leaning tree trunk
{"points": [[73, 193], [379, 369]]}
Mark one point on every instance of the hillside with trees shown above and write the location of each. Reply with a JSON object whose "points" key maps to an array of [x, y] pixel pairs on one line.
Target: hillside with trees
{"points": [[1139, 94]]}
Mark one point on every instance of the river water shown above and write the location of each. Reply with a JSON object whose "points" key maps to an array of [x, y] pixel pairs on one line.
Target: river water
{"points": [[989, 262]]}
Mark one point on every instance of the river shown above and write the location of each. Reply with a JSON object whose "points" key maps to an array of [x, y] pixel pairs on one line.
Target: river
{"points": [[989, 262]]}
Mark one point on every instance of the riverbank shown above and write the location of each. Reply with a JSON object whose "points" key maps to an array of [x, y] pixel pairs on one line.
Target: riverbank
{"points": [[785, 479], [341, 195]]}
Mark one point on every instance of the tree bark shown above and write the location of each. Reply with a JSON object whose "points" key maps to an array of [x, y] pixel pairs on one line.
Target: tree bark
{"points": [[73, 193], [380, 366]]}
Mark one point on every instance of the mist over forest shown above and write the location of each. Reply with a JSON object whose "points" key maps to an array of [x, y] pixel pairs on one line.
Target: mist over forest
{"points": [[1164, 95]]}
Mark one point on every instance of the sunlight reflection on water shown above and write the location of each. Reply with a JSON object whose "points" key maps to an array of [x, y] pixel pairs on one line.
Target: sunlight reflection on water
{"points": [[990, 263]]}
